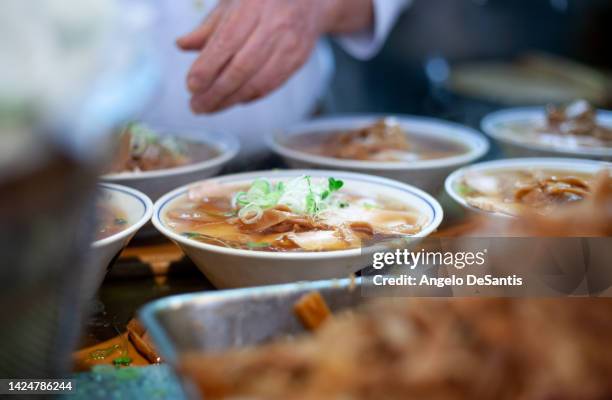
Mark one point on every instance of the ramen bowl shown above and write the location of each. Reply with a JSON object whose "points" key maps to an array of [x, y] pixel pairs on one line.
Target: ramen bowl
{"points": [[454, 184], [133, 209], [427, 174], [514, 129], [230, 267], [155, 183]]}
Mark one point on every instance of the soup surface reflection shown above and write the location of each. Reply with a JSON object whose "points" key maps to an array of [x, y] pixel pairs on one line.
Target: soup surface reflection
{"points": [[566, 127], [514, 192], [384, 141], [301, 214]]}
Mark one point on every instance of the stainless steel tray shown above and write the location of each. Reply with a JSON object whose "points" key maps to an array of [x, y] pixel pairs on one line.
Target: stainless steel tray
{"points": [[214, 321]]}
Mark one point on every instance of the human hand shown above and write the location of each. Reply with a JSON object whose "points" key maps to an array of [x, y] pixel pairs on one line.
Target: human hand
{"points": [[248, 48]]}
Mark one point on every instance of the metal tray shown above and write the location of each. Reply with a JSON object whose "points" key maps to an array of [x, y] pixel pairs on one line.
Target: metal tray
{"points": [[215, 321]]}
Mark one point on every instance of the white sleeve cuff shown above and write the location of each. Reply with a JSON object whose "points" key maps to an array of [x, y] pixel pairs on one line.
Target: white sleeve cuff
{"points": [[365, 44]]}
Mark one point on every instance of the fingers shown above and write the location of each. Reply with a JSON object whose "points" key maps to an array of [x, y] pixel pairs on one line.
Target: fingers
{"points": [[243, 66], [196, 39], [229, 37], [249, 50], [289, 56]]}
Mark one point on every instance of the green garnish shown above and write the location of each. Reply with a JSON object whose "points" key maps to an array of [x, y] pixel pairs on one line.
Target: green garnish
{"points": [[143, 136], [311, 202], [301, 195], [190, 235], [141, 132], [464, 190], [335, 184], [257, 245], [122, 361], [120, 221], [261, 193]]}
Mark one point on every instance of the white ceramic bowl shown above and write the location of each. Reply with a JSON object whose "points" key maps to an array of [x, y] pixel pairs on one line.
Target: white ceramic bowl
{"points": [[515, 146], [559, 164], [137, 208], [231, 268], [428, 175], [156, 183]]}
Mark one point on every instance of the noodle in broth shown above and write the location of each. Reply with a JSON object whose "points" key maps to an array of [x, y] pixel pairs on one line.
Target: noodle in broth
{"points": [[302, 214]]}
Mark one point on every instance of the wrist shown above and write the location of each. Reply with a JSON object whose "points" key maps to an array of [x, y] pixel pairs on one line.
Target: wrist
{"points": [[345, 16], [329, 13]]}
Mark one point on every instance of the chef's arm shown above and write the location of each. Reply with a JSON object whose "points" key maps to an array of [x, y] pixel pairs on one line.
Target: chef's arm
{"points": [[365, 43], [347, 16]]}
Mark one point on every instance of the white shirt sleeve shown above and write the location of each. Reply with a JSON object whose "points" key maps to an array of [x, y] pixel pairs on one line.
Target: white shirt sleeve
{"points": [[365, 44]]}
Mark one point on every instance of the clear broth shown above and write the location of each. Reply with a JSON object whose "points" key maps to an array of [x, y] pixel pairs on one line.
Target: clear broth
{"points": [[421, 147], [110, 220], [212, 220], [515, 191]]}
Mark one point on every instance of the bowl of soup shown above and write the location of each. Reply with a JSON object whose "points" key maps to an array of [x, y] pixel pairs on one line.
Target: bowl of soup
{"points": [[574, 130], [282, 226], [524, 186], [156, 159], [414, 150], [120, 212]]}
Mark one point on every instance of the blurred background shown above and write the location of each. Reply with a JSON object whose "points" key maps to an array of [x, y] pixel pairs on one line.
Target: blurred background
{"points": [[429, 62]]}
